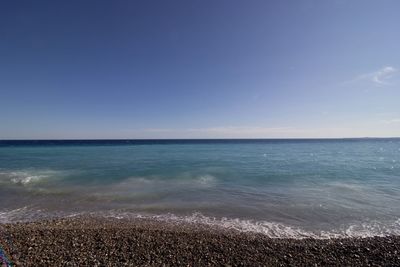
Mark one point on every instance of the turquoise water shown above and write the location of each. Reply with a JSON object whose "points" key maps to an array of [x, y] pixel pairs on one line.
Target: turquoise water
{"points": [[283, 188]]}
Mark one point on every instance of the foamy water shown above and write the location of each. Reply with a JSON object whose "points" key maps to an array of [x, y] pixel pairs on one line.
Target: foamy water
{"points": [[270, 229]]}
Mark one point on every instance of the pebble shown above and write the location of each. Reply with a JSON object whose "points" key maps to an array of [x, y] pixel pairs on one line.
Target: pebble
{"points": [[90, 241]]}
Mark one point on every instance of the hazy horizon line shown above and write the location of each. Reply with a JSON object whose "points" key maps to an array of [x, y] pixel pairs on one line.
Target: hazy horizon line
{"points": [[227, 138]]}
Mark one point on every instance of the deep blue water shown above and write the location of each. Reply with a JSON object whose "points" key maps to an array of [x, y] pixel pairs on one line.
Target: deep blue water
{"points": [[295, 187]]}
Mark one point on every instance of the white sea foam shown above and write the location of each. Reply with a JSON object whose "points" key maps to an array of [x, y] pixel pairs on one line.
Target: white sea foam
{"points": [[12, 215], [206, 180], [374, 228], [270, 229], [28, 177], [273, 229], [24, 179]]}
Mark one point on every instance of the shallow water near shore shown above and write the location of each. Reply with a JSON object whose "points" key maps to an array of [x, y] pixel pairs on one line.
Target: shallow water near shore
{"points": [[282, 188]]}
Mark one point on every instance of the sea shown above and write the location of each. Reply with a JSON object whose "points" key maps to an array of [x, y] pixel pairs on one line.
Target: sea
{"points": [[283, 188]]}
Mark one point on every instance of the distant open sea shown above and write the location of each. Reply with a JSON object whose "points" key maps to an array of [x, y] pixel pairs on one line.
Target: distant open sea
{"points": [[283, 188]]}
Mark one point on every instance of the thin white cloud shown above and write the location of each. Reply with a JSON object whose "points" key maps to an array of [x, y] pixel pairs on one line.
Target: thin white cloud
{"points": [[380, 77], [391, 121], [389, 129], [242, 130], [224, 132], [264, 132], [383, 75]]}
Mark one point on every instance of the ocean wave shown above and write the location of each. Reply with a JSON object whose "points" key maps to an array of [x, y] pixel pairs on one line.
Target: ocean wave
{"points": [[199, 181], [141, 188], [374, 228], [273, 229], [28, 177]]}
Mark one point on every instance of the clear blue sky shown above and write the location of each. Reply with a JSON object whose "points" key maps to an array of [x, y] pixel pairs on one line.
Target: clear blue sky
{"points": [[199, 69]]}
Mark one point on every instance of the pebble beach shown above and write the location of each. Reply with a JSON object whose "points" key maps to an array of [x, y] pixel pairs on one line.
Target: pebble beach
{"points": [[89, 241]]}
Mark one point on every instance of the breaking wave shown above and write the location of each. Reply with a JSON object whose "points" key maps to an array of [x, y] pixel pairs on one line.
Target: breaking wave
{"points": [[274, 229], [28, 177]]}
